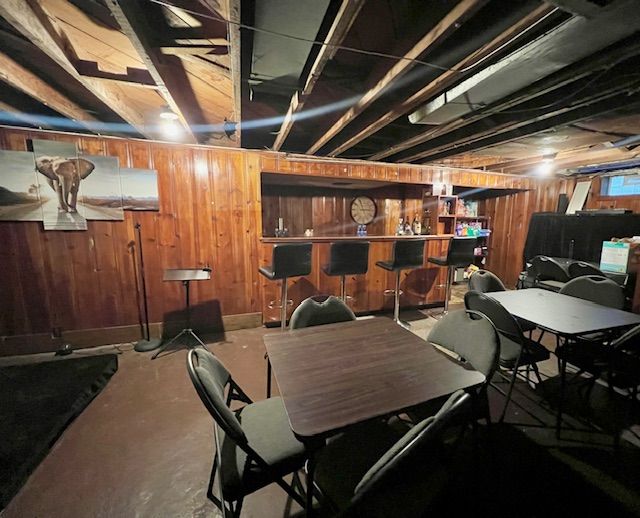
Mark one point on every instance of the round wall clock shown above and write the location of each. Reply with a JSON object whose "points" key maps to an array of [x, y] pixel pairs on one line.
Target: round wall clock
{"points": [[363, 210]]}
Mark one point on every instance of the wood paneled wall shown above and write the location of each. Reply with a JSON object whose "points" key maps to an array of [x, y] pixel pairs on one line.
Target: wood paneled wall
{"points": [[210, 214]]}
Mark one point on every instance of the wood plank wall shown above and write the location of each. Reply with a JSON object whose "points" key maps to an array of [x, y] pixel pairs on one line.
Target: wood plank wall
{"points": [[328, 211], [210, 214]]}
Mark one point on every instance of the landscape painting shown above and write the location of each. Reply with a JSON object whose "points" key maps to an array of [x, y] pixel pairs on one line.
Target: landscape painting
{"points": [[139, 189], [19, 193], [101, 191], [60, 172]]}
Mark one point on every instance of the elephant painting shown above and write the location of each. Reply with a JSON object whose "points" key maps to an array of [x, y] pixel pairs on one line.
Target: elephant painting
{"points": [[64, 175]]}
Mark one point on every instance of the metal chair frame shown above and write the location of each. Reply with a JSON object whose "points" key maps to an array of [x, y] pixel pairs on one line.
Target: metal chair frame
{"points": [[234, 393]]}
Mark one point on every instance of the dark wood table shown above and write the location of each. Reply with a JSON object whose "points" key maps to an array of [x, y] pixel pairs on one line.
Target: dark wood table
{"points": [[337, 375], [562, 314]]}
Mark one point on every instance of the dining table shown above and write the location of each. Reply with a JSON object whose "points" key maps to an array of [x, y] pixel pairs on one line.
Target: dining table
{"points": [[567, 317], [335, 376], [563, 315]]}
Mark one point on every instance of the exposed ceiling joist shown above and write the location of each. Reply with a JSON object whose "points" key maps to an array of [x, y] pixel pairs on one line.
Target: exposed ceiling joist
{"points": [[605, 102], [131, 21], [462, 11], [444, 80], [540, 88], [18, 115], [33, 26], [343, 21], [232, 8], [22, 79]]}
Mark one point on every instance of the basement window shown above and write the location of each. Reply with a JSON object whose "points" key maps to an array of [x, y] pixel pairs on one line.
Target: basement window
{"points": [[622, 185]]}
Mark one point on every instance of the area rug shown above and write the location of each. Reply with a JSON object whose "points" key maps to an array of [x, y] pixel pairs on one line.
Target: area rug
{"points": [[38, 401]]}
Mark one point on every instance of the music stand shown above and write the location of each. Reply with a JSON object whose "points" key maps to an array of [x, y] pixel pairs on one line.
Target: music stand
{"points": [[185, 276]]}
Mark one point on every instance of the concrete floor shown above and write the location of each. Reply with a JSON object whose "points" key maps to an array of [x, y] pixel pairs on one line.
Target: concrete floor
{"points": [[144, 446]]}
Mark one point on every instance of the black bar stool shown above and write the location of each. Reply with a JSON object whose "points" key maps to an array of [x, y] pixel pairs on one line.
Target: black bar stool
{"points": [[288, 260], [347, 258], [408, 254], [460, 254]]}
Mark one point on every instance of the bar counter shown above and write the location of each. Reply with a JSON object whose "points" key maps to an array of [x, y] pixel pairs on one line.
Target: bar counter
{"points": [[331, 239], [421, 287]]}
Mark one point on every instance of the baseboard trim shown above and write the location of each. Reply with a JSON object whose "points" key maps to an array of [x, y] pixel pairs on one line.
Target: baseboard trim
{"points": [[80, 338]]}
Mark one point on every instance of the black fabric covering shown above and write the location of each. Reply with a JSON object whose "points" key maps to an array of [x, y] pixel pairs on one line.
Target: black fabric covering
{"points": [[39, 400], [576, 237]]}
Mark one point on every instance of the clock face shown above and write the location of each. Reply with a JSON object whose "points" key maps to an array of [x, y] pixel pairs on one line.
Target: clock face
{"points": [[363, 210]]}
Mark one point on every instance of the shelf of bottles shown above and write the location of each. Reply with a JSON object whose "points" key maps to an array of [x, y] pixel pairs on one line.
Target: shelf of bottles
{"points": [[449, 214]]}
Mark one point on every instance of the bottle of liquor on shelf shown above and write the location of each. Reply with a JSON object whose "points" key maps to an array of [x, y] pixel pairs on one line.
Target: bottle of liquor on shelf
{"points": [[407, 228], [416, 226], [426, 222], [400, 228]]}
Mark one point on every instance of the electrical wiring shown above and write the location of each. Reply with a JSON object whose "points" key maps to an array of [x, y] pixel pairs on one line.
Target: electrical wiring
{"points": [[219, 18]]}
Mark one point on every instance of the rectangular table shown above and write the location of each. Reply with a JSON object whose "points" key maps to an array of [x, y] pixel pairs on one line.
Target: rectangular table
{"points": [[562, 314], [337, 375]]}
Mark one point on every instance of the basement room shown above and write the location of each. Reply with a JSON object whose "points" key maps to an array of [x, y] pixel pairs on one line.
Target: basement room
{"points": [[319, 258]]}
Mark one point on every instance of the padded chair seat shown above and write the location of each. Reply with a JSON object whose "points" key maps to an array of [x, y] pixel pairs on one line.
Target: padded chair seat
{"points": [[551, 285], [509, 351], [266, 427], [343, 462], [267, 272], [440, 261]]}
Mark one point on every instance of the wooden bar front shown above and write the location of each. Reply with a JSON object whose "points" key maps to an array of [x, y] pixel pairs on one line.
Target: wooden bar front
{"points": [[423, 286]]}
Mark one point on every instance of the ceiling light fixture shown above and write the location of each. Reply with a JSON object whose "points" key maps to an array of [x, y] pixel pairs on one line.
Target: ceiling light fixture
{"points": [[168, 115]]}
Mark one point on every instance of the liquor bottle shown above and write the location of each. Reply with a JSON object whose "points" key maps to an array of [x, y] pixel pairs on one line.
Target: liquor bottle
{"points": [[426, 222], [407, 228], [400, 228], [416, 226]]}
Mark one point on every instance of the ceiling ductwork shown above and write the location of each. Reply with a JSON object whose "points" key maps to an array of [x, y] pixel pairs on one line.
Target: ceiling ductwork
{"points": [[573, 40]]}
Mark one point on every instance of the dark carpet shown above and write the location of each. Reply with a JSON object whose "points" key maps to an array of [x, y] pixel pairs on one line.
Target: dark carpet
{"points": [[38, 401]]}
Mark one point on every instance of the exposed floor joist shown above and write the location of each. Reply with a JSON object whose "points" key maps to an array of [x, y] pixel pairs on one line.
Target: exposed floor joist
{"points": [[545, 86], [341, 24], [449, 24], [22, 79], [131, 21], [444, 80], [33, 26]]}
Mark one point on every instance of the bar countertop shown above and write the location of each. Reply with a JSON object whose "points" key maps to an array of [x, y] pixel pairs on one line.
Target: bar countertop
{"points": [[329, 239]]}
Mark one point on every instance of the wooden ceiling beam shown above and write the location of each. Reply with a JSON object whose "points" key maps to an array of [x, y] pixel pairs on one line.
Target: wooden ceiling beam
{"points": [[22, 79], [544, 86], [232, 8], [343, 21], [26, 17], [444, 80], [131, 21], [447, 26]]}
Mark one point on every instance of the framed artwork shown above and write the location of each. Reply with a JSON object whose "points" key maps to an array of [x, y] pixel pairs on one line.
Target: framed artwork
{"points": [[19, 190], [139, 189]]}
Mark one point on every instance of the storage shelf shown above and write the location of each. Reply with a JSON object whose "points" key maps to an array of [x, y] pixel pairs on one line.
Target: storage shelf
{"points": [[473, 218]]}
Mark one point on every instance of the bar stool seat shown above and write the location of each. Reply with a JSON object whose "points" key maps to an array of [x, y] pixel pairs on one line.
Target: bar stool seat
{"points": [[288, 260], [408, 254], [347, 258], [460, 254]]}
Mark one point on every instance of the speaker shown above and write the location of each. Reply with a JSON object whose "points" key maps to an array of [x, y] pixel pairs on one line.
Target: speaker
{"points": [[563, 203]]}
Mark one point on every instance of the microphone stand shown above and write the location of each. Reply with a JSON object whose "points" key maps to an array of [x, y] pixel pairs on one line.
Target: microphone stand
{"points": [[146, 344]]}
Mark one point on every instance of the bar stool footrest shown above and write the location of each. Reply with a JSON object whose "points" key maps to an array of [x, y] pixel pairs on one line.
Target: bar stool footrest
{"points": [[273, 304], [390, 293]]}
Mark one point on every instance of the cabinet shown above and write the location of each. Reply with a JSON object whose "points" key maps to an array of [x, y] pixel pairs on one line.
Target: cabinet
{"points": [[448, 214]]}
